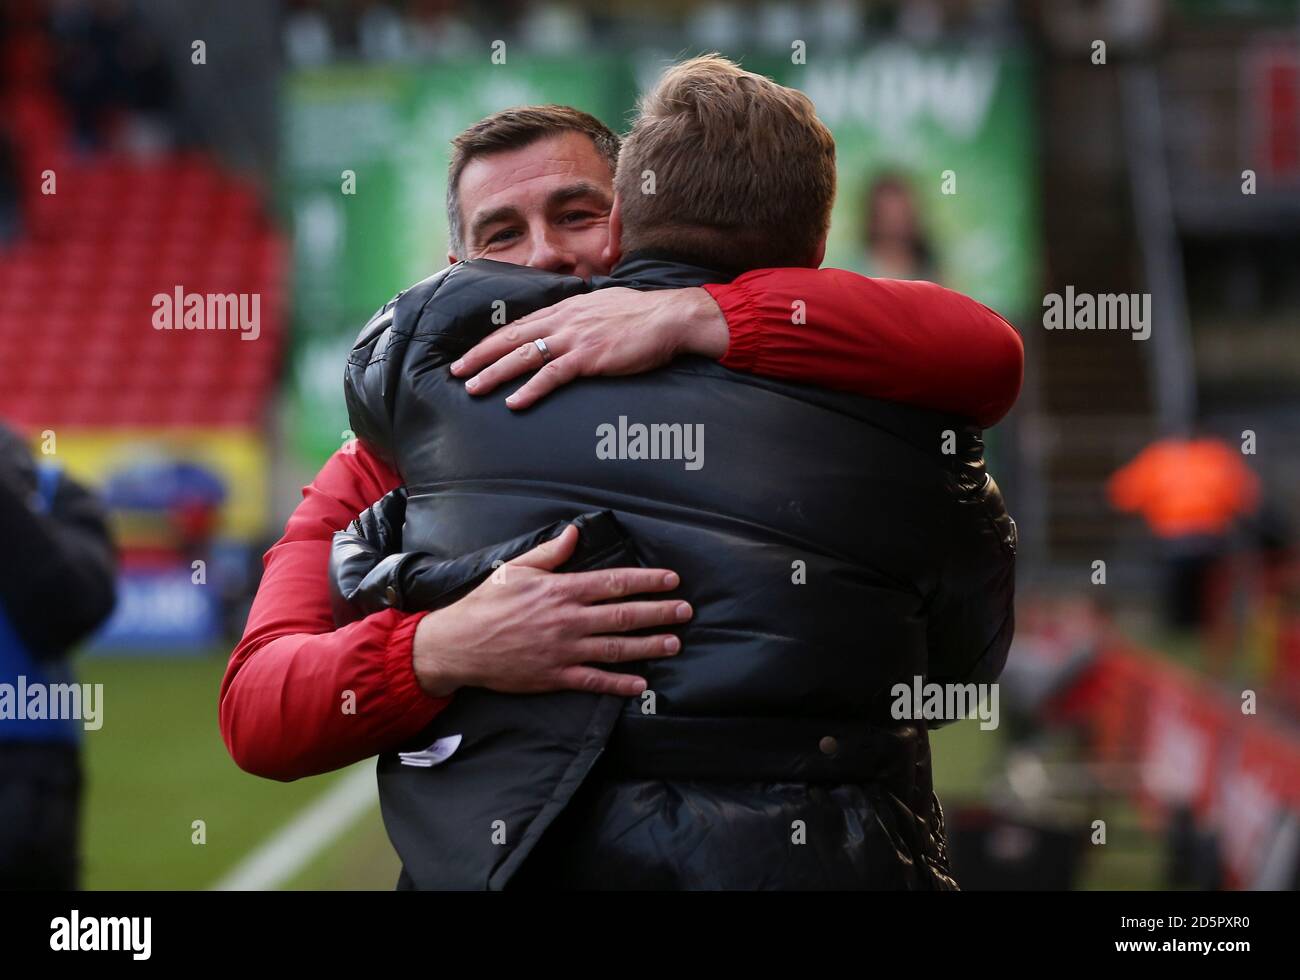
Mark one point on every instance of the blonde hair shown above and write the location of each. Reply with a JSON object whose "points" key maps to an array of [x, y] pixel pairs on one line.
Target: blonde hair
{"points": [[742, 172]]}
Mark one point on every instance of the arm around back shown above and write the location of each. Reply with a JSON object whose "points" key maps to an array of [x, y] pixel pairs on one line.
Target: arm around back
{"points": [[972, 614], [300, 697]]}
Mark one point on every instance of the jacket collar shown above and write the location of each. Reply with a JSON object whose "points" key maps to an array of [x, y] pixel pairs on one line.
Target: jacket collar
{"points": [[659, 269]]}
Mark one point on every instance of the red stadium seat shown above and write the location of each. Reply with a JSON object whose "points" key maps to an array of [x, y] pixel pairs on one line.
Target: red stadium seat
{"points": [[116, 234]]}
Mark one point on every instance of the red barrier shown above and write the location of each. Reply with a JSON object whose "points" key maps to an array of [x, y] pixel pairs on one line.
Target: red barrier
{"points": [[1189, 741]]}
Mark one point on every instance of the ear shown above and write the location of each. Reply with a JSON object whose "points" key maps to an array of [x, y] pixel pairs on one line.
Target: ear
{"points": [[613, 247], [820, 254]]}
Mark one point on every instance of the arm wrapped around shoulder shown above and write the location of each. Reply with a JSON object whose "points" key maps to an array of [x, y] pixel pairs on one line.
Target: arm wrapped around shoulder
{"points": [[429, 326]]}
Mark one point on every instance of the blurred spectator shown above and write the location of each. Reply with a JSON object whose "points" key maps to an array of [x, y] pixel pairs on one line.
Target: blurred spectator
{"points": [[316, 33], [1190, 492], [56, 585], [85, 35], [438, 28], [716, 25], [9, 188], [149, 92], [555, 29], [307, 37], [381, 33], [897, 244], [111, 73]]}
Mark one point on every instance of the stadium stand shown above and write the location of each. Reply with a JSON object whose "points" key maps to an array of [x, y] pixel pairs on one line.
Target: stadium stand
{"points": [[102, 234]]}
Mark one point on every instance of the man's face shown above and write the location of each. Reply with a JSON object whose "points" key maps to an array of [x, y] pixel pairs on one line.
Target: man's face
{"points": [[545, 205]]}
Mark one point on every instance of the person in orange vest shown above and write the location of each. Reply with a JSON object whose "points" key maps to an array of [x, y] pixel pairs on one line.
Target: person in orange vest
{"points": [[1190, 491]]}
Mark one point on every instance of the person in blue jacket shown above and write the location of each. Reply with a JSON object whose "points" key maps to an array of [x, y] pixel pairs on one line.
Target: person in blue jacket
{"points": [[57, 584]]}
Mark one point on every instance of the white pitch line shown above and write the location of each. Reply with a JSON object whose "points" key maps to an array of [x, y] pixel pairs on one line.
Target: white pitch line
{"points": [[290, 849]]}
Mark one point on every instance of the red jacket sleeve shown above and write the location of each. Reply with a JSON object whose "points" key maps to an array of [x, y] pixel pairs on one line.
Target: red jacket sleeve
{"points": [[285, 708], [911, 342]]}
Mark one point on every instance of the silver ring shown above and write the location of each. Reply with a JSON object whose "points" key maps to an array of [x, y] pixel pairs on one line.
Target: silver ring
{"points": [[541, 346]]}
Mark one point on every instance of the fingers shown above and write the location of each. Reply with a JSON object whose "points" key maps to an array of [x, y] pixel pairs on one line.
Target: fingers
{"points": [[620, 617], [612, 583], [519, 361], [499, 343], [555, 374], [550, 555], [618, 649], [601, 681]]}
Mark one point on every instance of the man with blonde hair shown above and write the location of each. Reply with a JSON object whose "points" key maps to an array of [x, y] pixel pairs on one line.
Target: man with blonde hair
{"points": [[727, 167]]}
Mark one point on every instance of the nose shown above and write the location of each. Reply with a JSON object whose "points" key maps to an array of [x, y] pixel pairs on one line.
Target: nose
{"points": [[551, 255]]}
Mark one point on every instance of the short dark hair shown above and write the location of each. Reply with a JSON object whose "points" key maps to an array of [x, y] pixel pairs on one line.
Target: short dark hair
{"points": [[513, 129]]}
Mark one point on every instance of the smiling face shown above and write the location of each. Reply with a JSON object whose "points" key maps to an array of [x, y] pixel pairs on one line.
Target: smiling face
{"points": [[544, 205]]}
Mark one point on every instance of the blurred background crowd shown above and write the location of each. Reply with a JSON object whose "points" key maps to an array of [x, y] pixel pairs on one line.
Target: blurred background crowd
{"points": [[1151, 708]]}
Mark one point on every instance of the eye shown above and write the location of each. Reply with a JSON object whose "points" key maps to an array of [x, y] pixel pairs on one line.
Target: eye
{"points": [[572, 216], [504, 235]]}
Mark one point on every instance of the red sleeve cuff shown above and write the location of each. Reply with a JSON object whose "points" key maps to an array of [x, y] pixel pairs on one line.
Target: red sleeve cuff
{"points": [[738, 305], [403, 688]]}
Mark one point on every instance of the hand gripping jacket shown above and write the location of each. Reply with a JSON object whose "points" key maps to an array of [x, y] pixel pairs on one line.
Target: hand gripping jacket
{"points": [[832, 547]]}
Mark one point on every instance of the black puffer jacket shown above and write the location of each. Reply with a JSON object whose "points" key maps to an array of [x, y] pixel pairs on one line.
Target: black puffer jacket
{"points": [[830, 548]]}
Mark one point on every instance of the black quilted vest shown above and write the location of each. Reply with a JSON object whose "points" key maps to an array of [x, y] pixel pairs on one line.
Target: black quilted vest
{"points": [[813, 532]]}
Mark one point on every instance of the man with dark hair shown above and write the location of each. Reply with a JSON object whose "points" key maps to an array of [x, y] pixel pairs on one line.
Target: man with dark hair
{"points": [[514, 129], [831, 547]]}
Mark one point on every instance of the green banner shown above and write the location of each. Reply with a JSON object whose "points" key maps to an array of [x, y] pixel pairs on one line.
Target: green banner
{"points": [[941, 143], [935, 149]]}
